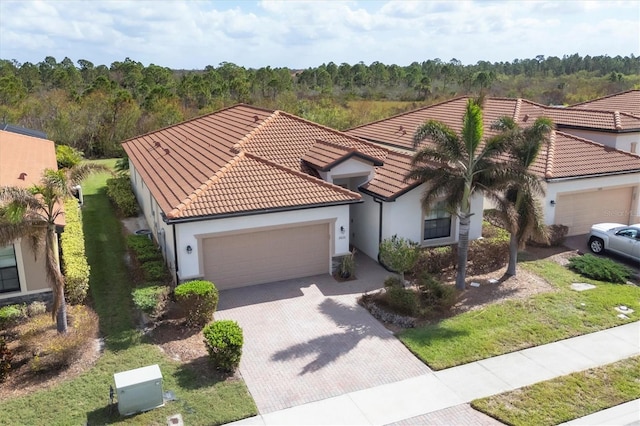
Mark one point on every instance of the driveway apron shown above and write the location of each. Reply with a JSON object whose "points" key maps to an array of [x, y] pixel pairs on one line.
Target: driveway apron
{"points": [[307, 339]]}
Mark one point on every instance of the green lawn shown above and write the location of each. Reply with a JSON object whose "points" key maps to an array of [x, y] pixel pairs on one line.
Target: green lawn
{"points": [[518, 324], [566, 398], [200, 400]]}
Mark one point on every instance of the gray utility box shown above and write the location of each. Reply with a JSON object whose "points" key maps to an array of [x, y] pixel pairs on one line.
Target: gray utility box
{"points": [[139, 390]]}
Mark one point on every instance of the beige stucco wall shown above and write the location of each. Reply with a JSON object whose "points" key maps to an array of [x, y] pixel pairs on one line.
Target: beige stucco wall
{"points": [[32, 273]]}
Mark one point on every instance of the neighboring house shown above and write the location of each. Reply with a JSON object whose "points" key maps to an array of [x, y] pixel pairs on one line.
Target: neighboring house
{"points": [[246, 196], [586, 181], [627, 102], [625, 109], [23, 158]]}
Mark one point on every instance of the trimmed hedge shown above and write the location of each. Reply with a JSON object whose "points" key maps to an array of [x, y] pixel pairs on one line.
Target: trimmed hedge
{"points": [[600, 268], [224, 340], [151, 299], [485, 255], [144, 248], [74, 261], [199, 299], [121, 195]]}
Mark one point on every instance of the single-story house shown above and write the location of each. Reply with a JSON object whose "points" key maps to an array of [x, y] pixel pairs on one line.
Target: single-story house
{"points": [[23, 158], [247, 195], [587, 180]]}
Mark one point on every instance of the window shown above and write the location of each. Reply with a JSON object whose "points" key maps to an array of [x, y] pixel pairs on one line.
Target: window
{"points": [[437, 224], [9, 280]]}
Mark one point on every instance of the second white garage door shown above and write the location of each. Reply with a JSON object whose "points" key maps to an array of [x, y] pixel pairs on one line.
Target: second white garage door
{"points": [[580, 210], [259, 257]]}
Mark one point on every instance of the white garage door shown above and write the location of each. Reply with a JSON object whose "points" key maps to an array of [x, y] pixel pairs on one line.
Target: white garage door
{"points": [[581, 210], [259, 257]]}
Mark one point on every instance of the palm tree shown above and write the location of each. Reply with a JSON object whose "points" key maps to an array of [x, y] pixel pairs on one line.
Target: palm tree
{"points": [[31, 213], [455, 167], [518, 204]]}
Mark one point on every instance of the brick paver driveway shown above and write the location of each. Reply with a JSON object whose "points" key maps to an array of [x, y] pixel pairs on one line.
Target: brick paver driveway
{"points": [[308, 339]]}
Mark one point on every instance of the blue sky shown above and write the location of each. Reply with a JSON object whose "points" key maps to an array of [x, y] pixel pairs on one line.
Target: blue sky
{"points": [[300, 34]]}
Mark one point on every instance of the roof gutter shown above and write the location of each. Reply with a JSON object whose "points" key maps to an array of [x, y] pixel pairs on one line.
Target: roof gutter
{"points": [[595, 129], [255, 212], [562, 179]]}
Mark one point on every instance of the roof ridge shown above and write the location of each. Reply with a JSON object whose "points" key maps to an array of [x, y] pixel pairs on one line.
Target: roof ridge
{"points": [[616, 120], [301, 174], [605, 97], [409, 112], [242, 142], [516, 112], [197, 118], [551, 151], [184, 204], [334, 144]]}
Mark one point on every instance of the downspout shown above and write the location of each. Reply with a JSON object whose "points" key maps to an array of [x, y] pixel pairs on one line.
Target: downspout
{"points": [[175, 253]]}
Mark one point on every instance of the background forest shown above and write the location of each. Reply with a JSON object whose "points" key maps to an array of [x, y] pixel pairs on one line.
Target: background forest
{"points": [[93, 108]]}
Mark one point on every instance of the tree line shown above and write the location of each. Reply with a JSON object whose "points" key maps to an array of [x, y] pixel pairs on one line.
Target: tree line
{"points": [[93, 108]]}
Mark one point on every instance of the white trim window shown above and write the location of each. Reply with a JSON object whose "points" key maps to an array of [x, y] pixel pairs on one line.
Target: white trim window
{"points": [[437, 223], [9, 278]]}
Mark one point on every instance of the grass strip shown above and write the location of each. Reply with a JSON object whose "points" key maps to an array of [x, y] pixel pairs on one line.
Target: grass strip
{"points": [[518, 324], [566, 398], [202, 400]]}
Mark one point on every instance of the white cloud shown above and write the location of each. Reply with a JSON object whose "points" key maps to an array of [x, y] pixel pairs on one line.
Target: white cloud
{"points": [[193, 34]]}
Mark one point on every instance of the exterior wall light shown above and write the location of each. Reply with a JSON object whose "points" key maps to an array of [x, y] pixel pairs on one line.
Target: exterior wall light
{"points": [[189, 250], [552, 202], [342, 229]]}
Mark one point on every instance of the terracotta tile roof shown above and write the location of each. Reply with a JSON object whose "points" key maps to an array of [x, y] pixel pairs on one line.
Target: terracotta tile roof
{"points": [[26, 156], [399, 130], [324, 155], [286, 139], [388, 182], [627, 102], [239, 159], [571, 156]]}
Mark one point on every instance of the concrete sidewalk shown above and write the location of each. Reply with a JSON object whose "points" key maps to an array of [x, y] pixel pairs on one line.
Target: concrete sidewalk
{"points": [[408, 401]]}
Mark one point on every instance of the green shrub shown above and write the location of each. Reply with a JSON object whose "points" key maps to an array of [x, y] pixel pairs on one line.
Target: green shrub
{"points": [[12, 314], [143, 248], [401, 300], [67, 156], [347, 268], [557, 235], [6, 356], [600, 268], [393, 282], [435, 260], [399, 254], [74, 261], [121, 195], [36, 308], [155, 270], [224, 340], [151, 300], [488, 254], [436, 294], [199, 299]]}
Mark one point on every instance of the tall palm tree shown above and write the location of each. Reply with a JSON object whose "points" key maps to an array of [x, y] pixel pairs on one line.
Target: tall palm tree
{"points": [[455, 167], [518, 203], [31, 213]]}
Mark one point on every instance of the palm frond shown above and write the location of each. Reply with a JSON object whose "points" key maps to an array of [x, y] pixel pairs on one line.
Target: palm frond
{"points": [[472, 127], [80, 172]]}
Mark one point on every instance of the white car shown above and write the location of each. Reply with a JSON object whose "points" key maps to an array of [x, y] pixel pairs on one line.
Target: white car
{"points": [[616, 238]]}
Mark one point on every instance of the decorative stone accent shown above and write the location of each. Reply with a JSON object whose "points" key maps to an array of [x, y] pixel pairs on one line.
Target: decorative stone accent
{"points": [[582, 286], [389, 317]]}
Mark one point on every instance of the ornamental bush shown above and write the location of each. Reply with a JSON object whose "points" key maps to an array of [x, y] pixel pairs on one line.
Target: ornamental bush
{"points": [[224, 340], [144, 248], [151, 299], [121, 195], [74, 261], [199, 299], [154, 270], [600, 268], [6, 356], [12, 314]]}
